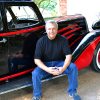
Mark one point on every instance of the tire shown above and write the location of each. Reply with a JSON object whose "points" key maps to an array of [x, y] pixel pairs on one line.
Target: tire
{"points": [[96, 59]]}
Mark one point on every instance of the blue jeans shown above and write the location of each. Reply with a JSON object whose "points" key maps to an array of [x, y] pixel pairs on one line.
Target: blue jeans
{"points": [[39, 74]]}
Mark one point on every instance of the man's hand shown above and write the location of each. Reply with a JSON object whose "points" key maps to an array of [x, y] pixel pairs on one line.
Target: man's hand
{"points": [[53, 71], [61, 70]]}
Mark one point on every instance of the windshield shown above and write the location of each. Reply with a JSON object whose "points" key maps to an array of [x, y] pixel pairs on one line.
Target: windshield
{"points": [[23, 12], [20, 17]]}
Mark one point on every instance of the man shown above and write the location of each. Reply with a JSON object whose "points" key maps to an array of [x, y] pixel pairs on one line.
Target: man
{"points": [[53, 57]]}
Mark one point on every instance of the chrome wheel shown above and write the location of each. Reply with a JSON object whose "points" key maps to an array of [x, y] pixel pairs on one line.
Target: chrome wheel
{"points": [[96, 59]]}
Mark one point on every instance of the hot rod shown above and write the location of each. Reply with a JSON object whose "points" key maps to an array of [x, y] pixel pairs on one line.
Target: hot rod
{"points": [[21, 22]]}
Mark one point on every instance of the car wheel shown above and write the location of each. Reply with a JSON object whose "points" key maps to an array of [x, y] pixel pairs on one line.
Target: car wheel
{"points": [[96, 59]]}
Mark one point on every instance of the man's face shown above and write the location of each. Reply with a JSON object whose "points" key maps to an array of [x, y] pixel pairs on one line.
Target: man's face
{"points": [[51, 30]]}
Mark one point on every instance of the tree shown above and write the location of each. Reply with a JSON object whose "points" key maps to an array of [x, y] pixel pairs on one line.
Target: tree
{"points": [[47, 5]]}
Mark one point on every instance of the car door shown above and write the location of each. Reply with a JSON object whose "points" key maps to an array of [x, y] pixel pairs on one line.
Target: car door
{"points": [[3, 45], [22, 26]]}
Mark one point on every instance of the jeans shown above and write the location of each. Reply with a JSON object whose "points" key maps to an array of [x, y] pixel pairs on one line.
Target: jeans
{"points": [[38, 74]]}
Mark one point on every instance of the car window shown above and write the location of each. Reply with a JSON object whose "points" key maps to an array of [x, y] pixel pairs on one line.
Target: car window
{"points": [[1, 23], [20, 17]]}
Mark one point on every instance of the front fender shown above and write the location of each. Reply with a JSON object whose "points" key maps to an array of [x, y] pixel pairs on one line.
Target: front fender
{"points": [[83, 54]]}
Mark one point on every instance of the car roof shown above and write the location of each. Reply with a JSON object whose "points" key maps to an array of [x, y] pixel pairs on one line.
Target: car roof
{"points": [[14, 0], [6, 1]]}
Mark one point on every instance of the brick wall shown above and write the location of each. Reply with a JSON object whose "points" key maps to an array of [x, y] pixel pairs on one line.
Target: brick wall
{"points": [[62, 7]]}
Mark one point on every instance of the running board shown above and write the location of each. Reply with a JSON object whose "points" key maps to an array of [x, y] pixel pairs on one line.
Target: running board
{"points": [[20, 83], [15, 84]]}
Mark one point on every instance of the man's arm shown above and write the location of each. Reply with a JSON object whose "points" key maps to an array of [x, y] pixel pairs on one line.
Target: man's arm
{"points": [[48, 69], [66, 63], [40, 64]]}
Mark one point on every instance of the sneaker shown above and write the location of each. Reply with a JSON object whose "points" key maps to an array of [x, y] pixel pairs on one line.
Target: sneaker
{"points": [[36, 98], [75, 96]]}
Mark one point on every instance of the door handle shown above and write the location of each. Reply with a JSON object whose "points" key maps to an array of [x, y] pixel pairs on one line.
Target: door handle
{"points": [[3, 40]]}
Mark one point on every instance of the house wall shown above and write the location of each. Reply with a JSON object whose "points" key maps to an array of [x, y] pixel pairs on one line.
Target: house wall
{"points": [[62, 7], [89, 8]]}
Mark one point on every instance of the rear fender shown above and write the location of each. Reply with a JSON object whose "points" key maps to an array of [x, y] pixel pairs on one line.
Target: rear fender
{"points": [[83, 54]]}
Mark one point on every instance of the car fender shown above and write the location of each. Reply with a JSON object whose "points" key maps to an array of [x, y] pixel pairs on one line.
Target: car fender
{"points": [[83, 54]]}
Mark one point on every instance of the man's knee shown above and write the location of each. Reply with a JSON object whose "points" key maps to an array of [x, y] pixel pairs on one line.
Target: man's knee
{"points": [[35, 73], [73, 66]]}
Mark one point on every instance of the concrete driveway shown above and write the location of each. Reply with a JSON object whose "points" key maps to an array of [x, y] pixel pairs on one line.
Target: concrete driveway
{"points": [[89, 88]]}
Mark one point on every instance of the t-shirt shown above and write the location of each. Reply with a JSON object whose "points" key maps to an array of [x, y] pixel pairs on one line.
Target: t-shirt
{"points": [[52, 50]]}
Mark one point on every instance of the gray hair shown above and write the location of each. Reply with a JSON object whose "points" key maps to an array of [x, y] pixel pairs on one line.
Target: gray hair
{"points": [[53, 22]]}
